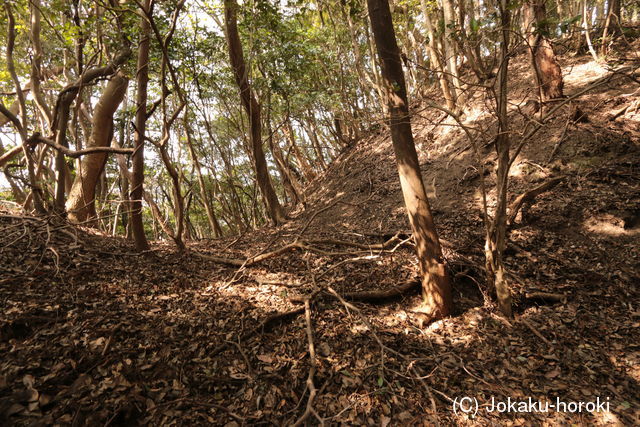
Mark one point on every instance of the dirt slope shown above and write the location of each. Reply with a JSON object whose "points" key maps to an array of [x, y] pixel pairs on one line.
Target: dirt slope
{"points": [[91, 332]]}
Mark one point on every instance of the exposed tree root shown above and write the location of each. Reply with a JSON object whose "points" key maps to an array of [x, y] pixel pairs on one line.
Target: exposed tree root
{"points": [[529, 196], [364, 296], [305, 245], [372, 296], [312, 369], [380, 296]]}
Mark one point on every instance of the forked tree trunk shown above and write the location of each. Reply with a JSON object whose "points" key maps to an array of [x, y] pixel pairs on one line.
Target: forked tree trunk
{"points": [[543, 60], [252, 107], [436, 287], [137, 159], [81, 201]]}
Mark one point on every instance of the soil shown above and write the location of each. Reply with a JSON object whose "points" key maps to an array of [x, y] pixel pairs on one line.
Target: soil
{"points": [[92, 332]]}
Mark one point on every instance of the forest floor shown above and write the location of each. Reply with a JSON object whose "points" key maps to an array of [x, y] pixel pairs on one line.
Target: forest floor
{"points": [[93, 333]]}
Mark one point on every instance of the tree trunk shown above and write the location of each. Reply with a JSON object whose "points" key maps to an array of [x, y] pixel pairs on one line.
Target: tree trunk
{"points": [[543, 60], [312, 131], [137, 160], [436, 60], [291, 186], [81, 202], [436, 288], [178, 207], [214, 225], [496, 231], [449, 46], [307, 171], [22, 108], [252, 108], [612, 23]]}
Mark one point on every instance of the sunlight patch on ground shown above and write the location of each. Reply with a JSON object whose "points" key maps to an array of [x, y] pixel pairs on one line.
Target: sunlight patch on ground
{"points": [[478, 112], [609, 225], [261, 296], [582, 74]]}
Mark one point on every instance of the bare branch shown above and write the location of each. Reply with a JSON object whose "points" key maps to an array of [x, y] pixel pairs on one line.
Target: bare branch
{"points": [[36, 138]]}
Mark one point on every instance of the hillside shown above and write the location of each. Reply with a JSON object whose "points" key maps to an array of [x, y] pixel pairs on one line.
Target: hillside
{"points": [[92, 332]]}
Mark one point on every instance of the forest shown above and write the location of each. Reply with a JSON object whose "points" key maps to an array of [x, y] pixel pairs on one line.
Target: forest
{"points": [[321, 212]]}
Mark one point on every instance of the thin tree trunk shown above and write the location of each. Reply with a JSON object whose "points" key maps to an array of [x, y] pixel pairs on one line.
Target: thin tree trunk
{"points": [[436, 60], [436, 288], [289, 182], [307, 171], [586, 18], [612, 23], [137, 160], [22, 108], [496, 232], [252, 108], [312, 131], [214, 225], [177, 193], [449, 46], [36, 63]]}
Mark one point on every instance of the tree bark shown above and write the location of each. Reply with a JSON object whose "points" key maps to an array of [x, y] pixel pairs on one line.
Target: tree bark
{"points": [[307, 171], [496, 231], [543, 60], [612, 23], [436, 60], [214, 225], [252, 108], [80, 204], [449, 46], [21, 126], [436, 288], [137, 175]]}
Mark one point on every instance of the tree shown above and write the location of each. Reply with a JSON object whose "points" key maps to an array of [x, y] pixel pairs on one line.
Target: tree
{"points": [[497, 227], [137, 175], [612, 23], [80, 204], [252, 109], [543, 60], [436, 288]]}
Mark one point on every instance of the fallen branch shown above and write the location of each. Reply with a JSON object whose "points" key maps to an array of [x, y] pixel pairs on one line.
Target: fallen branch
{"points": [[529, 196], [378, 295], [299, 244], [312, 369], [560, 140], [545, 296], [365, 246], [252, 260], [264, 325], [373, 296], [535, 331]]}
